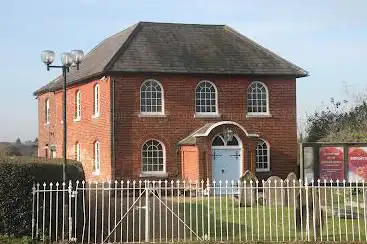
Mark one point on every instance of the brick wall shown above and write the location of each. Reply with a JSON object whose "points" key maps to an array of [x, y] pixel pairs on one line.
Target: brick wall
{"points": [[86, 131], [132, 130]]}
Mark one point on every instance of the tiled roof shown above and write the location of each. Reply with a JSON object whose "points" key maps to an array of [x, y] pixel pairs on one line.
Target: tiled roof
{"points": [[178, 48]]}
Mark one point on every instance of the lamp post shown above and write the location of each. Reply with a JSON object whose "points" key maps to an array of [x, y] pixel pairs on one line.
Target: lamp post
{"points": [[68, 59]]}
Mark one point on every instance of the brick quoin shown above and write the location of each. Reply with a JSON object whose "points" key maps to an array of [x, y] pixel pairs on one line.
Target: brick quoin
{"points": [[122, 159]]}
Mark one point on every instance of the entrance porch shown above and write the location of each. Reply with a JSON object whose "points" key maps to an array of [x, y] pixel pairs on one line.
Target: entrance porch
{"points": [[208, 153]]}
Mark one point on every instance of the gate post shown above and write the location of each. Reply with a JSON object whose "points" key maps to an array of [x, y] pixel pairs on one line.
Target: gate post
{"points": [[69, 210], [147, 224]]}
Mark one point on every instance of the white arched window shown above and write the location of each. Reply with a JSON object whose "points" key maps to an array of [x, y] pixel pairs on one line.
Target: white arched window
{"points": [[47, 111], [153, 157], [151, 97], [78, 109], [262, 156], [97, 157], [219, 141], [257, 98], [206, 98], [96, 99], [77, 152]]}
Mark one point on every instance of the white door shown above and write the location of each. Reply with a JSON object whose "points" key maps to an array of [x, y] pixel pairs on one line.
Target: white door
{"points": [[226, 164]]}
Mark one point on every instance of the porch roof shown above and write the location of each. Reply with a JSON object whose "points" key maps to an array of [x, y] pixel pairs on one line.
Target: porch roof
{"points": [[206, 129]]}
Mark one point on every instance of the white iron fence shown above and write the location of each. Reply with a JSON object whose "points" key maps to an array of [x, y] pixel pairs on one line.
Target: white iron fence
{"points": [[166, 211]]}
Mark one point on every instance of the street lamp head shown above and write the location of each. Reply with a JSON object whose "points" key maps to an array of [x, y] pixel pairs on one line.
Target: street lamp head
{"points": [[67, 59], [47, 57], [77, 56]]}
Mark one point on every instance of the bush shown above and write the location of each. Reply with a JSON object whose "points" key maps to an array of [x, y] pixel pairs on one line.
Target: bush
{"points": [[17, 176]]}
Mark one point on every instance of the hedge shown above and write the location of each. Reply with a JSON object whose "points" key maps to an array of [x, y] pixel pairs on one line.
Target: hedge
{"points": [[17, 176]]}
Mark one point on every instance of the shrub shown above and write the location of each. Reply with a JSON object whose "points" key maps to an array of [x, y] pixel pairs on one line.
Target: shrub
{"points": [[17, 176]]}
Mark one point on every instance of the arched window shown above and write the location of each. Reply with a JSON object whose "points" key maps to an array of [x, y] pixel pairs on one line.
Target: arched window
{"points": [[257, 98], [219, 141], [206, 98], [97, 157], [153, 157], [262, 156], [47, 111], [96, 100], [151, 97], [78, 110], [77, 152]]}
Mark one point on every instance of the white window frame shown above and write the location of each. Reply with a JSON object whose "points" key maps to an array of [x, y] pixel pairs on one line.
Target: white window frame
{"points": [[153, 173], [210, 114], [267, 169], [267, 112], [162, 98], [77, 152], [97, 158], [78, 108], [47, 111], [96, 100]]}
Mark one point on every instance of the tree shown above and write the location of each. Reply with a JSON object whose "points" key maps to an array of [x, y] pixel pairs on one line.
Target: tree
{"points": [[335, 123], [18, 141], [10, 150], [321, 124]]}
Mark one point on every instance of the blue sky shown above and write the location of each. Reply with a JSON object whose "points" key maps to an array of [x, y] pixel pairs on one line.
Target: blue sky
{"points": [[327, 38]]}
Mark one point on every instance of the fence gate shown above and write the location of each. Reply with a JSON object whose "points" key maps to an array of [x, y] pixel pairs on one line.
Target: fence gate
{"points": [[167, 211], [119, 212]]}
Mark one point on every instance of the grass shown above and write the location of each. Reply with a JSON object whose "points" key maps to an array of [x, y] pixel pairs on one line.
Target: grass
{"points": [[4, 239], [230, 222]]}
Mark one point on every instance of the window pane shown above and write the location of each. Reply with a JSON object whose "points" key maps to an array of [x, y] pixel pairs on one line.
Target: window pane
{"points": [[205, 97], [257, 98], [151, 97], [218, 141], [152, 156]]}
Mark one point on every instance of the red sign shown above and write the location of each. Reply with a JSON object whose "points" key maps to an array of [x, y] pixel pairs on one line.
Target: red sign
{"points": [[332, 163], [357, 161]]}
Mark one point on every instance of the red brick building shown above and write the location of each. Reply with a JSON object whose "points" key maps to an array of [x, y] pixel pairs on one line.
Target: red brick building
{"points": [[162, 100]]}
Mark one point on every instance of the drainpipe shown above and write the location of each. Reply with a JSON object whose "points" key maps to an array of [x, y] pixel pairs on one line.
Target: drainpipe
{"points": [[178, 160], [113, 151]]}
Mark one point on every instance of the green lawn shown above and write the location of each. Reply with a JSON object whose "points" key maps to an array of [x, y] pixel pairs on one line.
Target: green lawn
{"points": [[259, 223], [16, 240]]}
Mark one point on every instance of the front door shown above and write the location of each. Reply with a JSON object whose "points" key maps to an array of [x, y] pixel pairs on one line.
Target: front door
{"points": [[226, 165]]}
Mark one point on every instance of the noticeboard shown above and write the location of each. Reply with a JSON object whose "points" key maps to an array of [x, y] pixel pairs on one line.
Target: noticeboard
{"points": [[333, 161]]}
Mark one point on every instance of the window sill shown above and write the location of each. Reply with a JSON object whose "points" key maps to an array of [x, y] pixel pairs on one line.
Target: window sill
{"points": [[262, 171], [258, 115], [77, 119], [154, 174], [203, 115], [95, 116], [159, 115], [96, 173]]}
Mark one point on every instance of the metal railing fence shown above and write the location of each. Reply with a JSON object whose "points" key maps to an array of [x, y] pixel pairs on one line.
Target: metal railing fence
{"points": [[167, 211]]}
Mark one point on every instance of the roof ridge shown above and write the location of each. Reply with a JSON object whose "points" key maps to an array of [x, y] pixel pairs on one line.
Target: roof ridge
{"points": [[108, 38], [136, 28], [57, 78], [272, 54], [179, 23]]}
